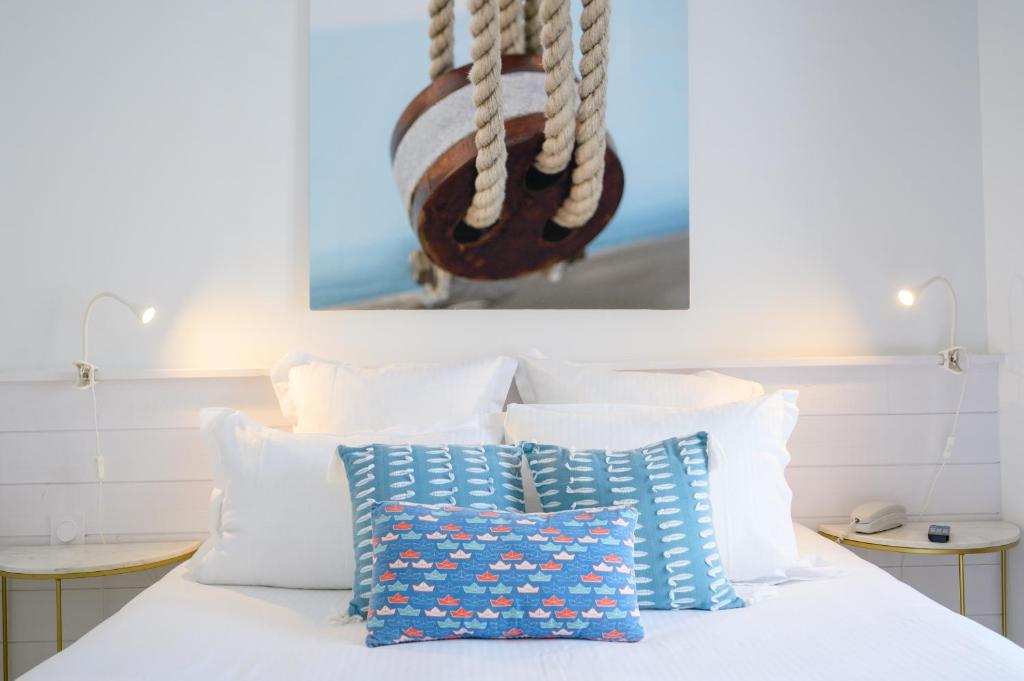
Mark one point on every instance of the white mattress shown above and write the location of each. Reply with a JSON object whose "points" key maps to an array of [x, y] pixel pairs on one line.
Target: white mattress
{"points": [[862, 625]]}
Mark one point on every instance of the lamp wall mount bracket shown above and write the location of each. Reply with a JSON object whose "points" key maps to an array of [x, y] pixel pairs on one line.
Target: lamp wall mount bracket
{"points": [[85, 374]]}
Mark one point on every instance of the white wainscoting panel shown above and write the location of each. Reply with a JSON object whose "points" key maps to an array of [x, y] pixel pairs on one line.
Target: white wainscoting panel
{"points": [[870, 427]]}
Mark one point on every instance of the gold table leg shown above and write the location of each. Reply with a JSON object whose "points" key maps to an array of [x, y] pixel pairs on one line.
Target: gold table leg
{"points": [[1002, 592], [3, 588], [60, 625], [963, 595]]}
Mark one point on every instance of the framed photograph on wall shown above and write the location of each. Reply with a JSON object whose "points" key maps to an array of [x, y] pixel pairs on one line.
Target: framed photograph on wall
{"points": [[415, 204]]}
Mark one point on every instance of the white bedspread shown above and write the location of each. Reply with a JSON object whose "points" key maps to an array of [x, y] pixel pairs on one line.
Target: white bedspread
{"points": [[862, 625]]}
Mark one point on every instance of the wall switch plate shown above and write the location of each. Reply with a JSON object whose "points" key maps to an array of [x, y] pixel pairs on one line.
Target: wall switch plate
{"points": [[68, 528]]}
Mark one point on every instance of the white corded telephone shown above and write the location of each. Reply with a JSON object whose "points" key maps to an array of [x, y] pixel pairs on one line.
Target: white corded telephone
{"points": [[877, 516], [874, 516]]}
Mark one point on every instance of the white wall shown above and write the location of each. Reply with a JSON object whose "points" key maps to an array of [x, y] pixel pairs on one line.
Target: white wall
{"points": [[159, 149], [1001, 25]]}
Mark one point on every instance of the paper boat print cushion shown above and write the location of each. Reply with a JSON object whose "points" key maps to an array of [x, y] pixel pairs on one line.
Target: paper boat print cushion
{"points": [[495, 574], [677, 561], [482, 477]]}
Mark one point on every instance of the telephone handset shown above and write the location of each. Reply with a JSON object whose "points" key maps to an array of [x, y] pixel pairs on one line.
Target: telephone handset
{"points": [[877, 516]]}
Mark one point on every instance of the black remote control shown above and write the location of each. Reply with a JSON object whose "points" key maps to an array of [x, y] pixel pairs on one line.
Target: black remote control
{"points": [[938, 533]]}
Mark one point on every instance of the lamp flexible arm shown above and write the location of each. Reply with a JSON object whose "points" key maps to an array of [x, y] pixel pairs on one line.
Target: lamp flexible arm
{"points": [[88, 316], [953, 305]]}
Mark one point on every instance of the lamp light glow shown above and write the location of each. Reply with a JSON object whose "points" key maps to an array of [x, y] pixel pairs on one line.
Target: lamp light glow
{"points": [[147, 315], [906, 296]]}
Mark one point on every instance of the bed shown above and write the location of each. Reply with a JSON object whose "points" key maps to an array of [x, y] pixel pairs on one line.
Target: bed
{"points": [[864, 624]]}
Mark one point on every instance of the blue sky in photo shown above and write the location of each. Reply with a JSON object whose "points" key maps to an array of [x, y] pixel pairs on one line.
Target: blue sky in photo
{"points": [[361, 78]]}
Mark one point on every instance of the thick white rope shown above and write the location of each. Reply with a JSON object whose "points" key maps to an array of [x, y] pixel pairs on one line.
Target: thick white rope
{"points": [[485, 75], [513, 35], [442, 36], [532, 23], [559, 84], [591, 142]]}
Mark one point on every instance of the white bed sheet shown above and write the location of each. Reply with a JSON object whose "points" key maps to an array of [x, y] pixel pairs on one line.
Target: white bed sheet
{"points": [[862, 625]]}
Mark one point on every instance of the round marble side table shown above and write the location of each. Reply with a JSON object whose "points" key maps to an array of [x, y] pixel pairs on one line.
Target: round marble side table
{"points": [[965, 538], [78, 562]]}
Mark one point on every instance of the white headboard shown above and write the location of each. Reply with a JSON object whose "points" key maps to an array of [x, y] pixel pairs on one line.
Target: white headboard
{"points": [[869, 426]]}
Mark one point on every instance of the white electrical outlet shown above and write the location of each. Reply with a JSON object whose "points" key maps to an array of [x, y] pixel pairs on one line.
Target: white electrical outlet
{"points": [[68, 528]]}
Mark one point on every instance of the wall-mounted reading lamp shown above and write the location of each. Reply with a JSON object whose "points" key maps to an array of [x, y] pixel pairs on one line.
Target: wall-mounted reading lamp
{"points": [[949, 358], [86, 377]]}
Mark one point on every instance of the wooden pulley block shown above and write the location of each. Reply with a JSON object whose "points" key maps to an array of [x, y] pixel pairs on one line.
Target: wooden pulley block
{"points": [[434, 159]]}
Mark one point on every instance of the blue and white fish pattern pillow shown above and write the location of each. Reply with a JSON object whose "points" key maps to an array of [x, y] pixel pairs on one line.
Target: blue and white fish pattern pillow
{"points": [[677, 561], [443, 572], [483, 477]]}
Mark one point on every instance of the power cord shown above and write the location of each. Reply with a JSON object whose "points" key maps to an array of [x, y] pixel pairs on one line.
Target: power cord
{"points": [[841, 537], [100, 467], [947, 453]]}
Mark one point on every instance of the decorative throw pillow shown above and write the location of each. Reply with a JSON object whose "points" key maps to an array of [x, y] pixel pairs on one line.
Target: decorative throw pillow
{"points": [[677, 561], [482, 477], [446, 572]]}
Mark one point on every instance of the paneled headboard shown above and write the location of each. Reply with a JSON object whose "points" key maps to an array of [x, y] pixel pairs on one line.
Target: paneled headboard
{"points": [[869, 426]]}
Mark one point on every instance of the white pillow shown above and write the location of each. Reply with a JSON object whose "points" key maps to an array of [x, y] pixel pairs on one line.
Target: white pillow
{"points": [[280, 512], [748, 456], [551, 381], [322, 396]]}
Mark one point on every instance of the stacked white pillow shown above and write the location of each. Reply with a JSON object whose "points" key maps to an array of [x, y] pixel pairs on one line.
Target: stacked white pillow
{"points": [[749, 494], [280, 512], [324, 396], [551, 381]]}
